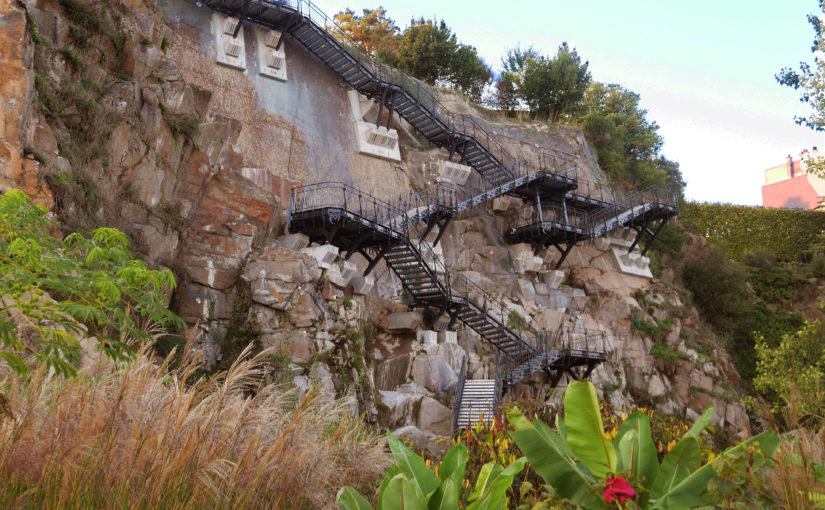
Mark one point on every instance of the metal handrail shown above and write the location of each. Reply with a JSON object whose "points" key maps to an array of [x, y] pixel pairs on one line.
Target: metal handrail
{"points": [[385, 76], [592, 223], [459, 391]]}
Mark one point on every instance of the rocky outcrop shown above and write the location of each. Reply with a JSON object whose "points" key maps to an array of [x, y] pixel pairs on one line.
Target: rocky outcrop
{"points": [[136, 126]]}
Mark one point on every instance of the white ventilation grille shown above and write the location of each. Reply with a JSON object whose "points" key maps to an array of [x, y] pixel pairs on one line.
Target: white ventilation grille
{"points": [[229, 50], [382, 137], [232, 48], [271, 39], [271, 61], [274, 61], [453, 172], [230, 25]]}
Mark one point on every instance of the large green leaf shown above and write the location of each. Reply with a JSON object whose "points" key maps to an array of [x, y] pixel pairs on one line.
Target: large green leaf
{"points": [[551, 458], [635, 449], [680, 462], [402, 493], [691, 491], [452, 467], [391, 472], [585, 431], [492, 485], [451, 473], [349, 499], [446, 497], [701, 424], [414, 467]]}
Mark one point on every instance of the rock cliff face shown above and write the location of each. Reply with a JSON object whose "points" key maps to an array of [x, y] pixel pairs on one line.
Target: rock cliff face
{"points": [[114, 112]]}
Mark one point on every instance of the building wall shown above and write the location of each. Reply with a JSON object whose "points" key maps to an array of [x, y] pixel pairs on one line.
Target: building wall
{"points": [[794, 193]]}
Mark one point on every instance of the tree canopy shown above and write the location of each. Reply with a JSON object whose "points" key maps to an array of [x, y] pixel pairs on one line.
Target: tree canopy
{"points": [[810, 80], [426, 49], [553, 86]]}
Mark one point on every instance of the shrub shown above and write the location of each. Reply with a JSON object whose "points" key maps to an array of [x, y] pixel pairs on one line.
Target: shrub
{"points": [[760, 258], [719, 287], [787, 234], [55, 292], [818, 265], [793, 372], [412, 485]]}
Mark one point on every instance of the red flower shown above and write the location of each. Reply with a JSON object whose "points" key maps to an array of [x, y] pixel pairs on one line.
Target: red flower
{"points": [[618, 488]]}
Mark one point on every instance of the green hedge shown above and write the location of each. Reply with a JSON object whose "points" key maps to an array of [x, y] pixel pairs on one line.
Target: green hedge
{"points": [[786, 233]]}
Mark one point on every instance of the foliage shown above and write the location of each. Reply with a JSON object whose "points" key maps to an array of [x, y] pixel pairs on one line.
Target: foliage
{"points": [[628, 145], [150, 436], [578, 460], [552, 87], [373, 32], [655, 329], [810, 81], [793, 372], [741, 302], [507, 94], [95, 289], [787, 234], [426, 49], [719, 286], [411, 484]]}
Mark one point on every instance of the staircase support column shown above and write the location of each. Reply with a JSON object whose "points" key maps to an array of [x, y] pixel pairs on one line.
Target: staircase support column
{"points": [[653, 237], [373, 261], [390, 108], [564, 253], [636, 240], [381, 107], [441, 229]]}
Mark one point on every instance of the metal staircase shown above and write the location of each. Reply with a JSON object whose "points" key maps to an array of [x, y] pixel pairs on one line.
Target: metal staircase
{"points": [[398, 93], [357, 222], [563, 226]]}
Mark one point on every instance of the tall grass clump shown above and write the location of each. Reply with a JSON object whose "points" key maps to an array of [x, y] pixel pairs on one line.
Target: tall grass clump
{"points": [[150, 435]]}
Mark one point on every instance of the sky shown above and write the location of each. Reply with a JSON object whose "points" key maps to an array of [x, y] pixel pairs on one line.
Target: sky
{"points": [[704, 70]]}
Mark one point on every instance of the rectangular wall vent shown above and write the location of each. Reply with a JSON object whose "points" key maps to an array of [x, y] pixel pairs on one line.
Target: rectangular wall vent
{"points": [[232, 48], [274, 61], [230, 25], [229, 50], [383, 137], [271, 61], [271, 39]]}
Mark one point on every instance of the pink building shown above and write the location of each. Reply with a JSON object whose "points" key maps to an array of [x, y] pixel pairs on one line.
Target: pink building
{"points": [[790, 186]]}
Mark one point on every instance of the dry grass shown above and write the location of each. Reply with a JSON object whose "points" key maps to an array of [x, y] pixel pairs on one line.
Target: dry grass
{"points": [[796, 485], [141, 437]]}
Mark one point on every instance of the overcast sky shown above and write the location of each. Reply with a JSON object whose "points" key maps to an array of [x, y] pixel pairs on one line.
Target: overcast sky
{"points": [[705, 70]]}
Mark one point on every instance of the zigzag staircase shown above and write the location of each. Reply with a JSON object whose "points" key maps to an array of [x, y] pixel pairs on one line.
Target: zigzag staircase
{"points": [[359, 223]]}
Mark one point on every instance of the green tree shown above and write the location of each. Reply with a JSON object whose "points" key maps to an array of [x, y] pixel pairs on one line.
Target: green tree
{"points": [[505, 93], [628, 145], [426, 49], [793, 372], [55, 291], [468, 72], [810, 80], [553, 87], [429, 51], [507, 89], [373, 32]]}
